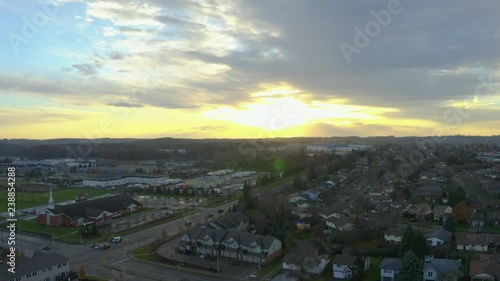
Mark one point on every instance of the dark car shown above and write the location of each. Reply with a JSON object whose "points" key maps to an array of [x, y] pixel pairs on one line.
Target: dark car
{"points": [[105, 247], [46, 248]]}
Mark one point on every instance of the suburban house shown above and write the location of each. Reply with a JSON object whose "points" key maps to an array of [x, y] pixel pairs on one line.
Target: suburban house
{"points": [[430, 192], [327, 213], [389, 269], [477, 221], [232, 221], [487, 268], [97, 211], [305, 266], [394, 235], [419, 211], [37, 266], [381, 189], [494, 218], [472, 242], [339, 224], [438, 238], [433, 269], [242, 246], [441, 270], [303, 213], [342, 264], [441, 212]]}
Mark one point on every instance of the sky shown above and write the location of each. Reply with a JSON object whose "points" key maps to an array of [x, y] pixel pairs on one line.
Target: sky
{"points": [[248, 68]]}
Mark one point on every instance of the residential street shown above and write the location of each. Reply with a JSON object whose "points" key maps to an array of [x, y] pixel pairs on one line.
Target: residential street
{"points": [[118, 257]]}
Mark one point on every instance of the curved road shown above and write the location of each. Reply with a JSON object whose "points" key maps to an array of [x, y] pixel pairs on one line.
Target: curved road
{"points": [[117, 263]]}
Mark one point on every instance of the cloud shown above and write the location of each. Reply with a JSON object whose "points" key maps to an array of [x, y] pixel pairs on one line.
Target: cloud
{"points": [[85, 69], [125, 104]]}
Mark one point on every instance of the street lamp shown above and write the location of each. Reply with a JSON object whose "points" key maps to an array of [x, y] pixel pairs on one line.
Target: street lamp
{"points": [[179, 265]]}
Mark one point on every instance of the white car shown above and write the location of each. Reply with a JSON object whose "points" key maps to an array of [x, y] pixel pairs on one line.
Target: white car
{"points": [[116, 239]]}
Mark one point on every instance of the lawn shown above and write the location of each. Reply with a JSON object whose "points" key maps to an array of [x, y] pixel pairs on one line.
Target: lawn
{"points": [[144, 253], [271, 269], [374, 270], [69, 234], [30, 199]]}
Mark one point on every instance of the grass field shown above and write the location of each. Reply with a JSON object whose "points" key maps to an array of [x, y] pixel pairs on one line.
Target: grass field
{"points": [[27, 199]]}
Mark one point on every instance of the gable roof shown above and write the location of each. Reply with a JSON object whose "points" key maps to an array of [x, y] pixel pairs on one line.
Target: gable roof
{"points": [[84, 209], [441, 208], [346, 260], [471, 238], [25, 264], [489, 264], [441, 234], [391, 264], [443, 266], [229, 221]]}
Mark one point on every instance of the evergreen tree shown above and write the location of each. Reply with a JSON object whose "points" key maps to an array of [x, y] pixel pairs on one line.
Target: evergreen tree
{"points": [[450, 224], [407, 242], [411, 269], [358, 270], [420, 247]]}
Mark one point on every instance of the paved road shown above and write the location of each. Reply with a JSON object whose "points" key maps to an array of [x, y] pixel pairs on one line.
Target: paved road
{"points": [[117, 259]]}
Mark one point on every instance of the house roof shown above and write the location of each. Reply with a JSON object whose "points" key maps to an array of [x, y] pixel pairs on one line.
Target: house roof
{"points": [[397, 231], [495, 215], [84, 209], [25, 264], [229, 221], [222, 236], [471, 238], [441, 234], [488, 264], [441, 208], [443, 265], [392, 264], [430, 190], [346, 260]]}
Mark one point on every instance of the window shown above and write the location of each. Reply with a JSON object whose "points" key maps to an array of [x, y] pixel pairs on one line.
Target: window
{"points": [[430, 274], [387, 271], [64, 263]]}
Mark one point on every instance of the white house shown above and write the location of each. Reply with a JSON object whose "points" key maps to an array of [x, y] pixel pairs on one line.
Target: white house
{"points": [[39, 266], [339, 224], [433, 269], [441, 212], [342, 264], [438, 238], [327, 213], [394, 235], [441, 269], [389, 269], [472, 242]]}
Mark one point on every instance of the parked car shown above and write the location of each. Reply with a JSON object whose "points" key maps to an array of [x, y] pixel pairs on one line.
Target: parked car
{"points": [[93, 245], [46, 248], [105, 247], [116, 239], [98, 246], [203, 256]]}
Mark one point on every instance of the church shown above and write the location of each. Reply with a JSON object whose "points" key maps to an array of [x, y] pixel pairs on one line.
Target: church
{"points": [[98, 211]]}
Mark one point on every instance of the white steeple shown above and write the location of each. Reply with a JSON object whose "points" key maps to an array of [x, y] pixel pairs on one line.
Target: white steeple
{"points": [[51, 201]]}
